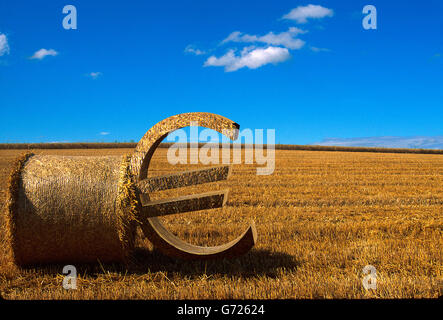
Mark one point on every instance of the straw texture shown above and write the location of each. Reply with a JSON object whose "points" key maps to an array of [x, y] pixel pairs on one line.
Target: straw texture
{"points": [[71, 209], [154, 136]]}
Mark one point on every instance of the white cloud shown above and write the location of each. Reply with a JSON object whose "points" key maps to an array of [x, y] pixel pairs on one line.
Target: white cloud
{"points": [[95, 75], [191, 49], [250, 57], [104, 133], [419, 142], [259, 50], [316, 49], [286, 39], [40, 54], [301, 14], [4, 46]]}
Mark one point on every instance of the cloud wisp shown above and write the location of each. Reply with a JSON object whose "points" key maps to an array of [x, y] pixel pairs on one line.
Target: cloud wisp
{"points": [[4, 46], [193, 50], [317, 49], [286, 39], [249, 57], [42, 53], [301, 14], [416, 142], [94, 75]]}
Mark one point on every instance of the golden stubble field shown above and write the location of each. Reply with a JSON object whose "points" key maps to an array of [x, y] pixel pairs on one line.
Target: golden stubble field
{"points": [[321, 218]]}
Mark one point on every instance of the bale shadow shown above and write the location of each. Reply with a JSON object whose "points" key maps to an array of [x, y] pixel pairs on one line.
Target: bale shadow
{"points": [[257, 262]]}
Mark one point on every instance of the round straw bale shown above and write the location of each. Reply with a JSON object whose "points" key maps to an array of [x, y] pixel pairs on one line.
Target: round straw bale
{"points": [[71, 209]]}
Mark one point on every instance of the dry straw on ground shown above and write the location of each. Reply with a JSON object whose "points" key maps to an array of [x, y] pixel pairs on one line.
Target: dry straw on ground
{"points": [[70, 209], [321, 218]]}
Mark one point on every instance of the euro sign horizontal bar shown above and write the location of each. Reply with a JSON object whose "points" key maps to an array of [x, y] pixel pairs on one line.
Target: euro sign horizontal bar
{"points": [[194, 202], [184, 179]]}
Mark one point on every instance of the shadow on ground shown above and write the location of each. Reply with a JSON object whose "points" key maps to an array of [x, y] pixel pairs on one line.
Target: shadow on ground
{"points": [[254, 263], [257, 262]]}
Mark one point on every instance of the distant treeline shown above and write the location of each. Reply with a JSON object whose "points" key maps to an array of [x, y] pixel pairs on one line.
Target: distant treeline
{"points": [[102, 145], [76, 145]]}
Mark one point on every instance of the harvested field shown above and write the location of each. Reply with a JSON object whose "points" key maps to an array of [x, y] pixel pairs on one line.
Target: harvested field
{"points": [[321, 218]]}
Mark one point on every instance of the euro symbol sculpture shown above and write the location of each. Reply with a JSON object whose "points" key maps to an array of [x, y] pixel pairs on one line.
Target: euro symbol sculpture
{"points": [[152, 227]]}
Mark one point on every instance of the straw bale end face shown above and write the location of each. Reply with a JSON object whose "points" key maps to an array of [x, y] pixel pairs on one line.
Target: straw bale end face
{"points": [[71, 209]]}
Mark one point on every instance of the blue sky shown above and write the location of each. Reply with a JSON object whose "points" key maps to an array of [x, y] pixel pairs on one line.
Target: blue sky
{"points": [[310, 75]]}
